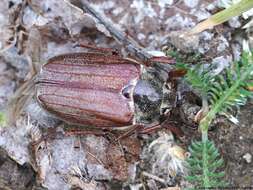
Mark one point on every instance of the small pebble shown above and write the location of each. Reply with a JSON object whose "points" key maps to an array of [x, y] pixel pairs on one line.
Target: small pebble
{"points": [[234, 22], [247, 157], [191, 3]]}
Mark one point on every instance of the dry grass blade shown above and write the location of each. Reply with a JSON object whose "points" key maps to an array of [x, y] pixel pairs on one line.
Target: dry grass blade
{"points": [[223, 16]]}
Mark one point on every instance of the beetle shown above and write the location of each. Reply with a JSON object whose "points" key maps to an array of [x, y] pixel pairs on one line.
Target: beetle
{"points": [[105, 91]]}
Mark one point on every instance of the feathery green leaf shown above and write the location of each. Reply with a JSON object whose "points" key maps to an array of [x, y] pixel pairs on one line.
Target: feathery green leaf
{"points": [[204, 171]]}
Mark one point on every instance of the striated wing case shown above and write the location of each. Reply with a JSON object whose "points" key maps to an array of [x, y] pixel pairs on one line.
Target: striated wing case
{"points": [[86, 89]]}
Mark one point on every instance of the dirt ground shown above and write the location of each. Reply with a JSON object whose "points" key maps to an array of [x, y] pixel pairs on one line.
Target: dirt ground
{"points": [[36, 153]]}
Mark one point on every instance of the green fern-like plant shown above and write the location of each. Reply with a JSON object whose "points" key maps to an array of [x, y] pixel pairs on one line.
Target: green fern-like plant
{"points": [[229, 90], [220, 94], [200, 79], [205, 161]]}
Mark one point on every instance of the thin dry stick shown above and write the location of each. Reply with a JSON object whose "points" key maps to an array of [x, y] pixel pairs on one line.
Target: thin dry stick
{"points": [[130, 44], [146, 174]]}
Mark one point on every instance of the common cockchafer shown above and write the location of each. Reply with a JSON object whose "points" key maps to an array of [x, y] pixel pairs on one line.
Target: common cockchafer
{"points": [[103, 90]]}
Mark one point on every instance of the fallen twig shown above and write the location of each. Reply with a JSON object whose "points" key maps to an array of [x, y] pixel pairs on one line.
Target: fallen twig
{"points": [[130, 44]]}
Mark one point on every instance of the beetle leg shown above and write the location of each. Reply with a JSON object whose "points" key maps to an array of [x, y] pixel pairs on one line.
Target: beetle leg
{"points": [[103, 50], [132, 129], [166, 124], [150, 129], [176, 74], [161, 59], [175, 130], [84, 132]]}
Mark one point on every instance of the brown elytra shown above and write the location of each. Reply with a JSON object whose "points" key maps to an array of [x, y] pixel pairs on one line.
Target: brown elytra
{"points": [[88, 89]]}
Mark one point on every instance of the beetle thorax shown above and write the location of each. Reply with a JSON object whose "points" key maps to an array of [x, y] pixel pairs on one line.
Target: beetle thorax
{"points": [[151, 96]]}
